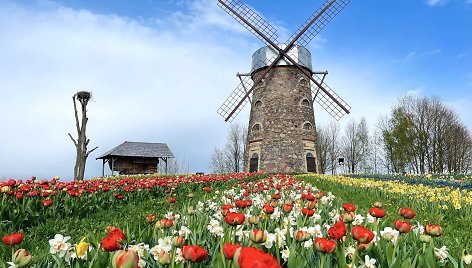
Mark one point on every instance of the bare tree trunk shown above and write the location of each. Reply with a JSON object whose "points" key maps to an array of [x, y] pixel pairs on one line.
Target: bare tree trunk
{"points": [[82, 141]]}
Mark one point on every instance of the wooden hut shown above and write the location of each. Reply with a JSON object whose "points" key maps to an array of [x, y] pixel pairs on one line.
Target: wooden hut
{"points": [[136, 157]]}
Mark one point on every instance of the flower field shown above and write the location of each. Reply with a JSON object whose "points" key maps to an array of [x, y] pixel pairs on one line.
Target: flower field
{"points": [[239, 220]]}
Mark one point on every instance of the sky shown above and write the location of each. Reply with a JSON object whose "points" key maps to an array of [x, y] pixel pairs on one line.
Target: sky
{"points": [[159, 70]]}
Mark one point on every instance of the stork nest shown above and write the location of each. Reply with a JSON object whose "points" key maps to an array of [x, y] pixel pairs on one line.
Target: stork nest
{"points": [[83, 95]]}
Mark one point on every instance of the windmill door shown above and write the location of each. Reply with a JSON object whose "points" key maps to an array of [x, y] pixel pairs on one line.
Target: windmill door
{"points": [[310, 163], [253, 163]]}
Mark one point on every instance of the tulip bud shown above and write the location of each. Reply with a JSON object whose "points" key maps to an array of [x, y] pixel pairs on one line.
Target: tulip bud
{"points": [[21, 258], [378, 204], [302, 236], [164, 257], [425, 238], [311, 204], [348, 217], [178, 241], [125, 259], [257, 236], [254, 219], [190, 210]]}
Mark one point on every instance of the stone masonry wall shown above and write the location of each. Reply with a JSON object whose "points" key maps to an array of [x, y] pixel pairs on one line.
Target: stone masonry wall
{"points": [[281, 125]]}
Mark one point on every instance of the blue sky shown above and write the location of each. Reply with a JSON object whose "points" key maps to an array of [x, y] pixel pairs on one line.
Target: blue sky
{"points": [[160, 69]]}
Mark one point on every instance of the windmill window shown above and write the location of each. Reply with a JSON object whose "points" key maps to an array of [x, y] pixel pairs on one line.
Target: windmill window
{"points": [[303, 82], [254, 163], [258, 103], [305, 102], [256, 127], [310, 163], [307, 126]]}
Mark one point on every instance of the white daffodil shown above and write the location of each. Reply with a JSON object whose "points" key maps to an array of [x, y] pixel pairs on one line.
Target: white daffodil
{"points": [[308, 243], [358, 220], [441, 253], [184, 231], [285, 253], [59, 245], [350, 251], [368, 263], [270, 240], [370, 219], [165, 243], [390, 234], [12, 265]]}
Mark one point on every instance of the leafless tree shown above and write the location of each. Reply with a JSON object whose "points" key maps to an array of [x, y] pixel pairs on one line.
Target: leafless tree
{"points": [[231, 158], [174, 166], [219, 163], [82, 141], [355, 145], [328, 146]]}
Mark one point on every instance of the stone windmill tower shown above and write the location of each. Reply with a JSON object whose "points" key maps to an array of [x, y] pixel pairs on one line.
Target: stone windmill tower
{"points": [[281, 89]]}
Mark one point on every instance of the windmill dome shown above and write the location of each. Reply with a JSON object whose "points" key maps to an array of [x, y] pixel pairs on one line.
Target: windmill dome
{"points": [[264, 56]]}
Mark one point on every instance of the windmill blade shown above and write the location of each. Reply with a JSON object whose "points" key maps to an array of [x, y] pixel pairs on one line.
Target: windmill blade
{"points": [[227, 109], [318, 21], [333, 107], [247, 18]]}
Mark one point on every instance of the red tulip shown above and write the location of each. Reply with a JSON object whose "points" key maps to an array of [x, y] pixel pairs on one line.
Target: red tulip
{"points": [[47, 203], [407, 213], [337, 231], [116, 233], [150, 218], [433, 230], [234, 218], [254, 257], [308, 212], [240, 203], [402, 226], [230, 249], [287, 208], [110, 244], [13, 239], [349, 207], [207, 189], [324, 245], [377, 212], [194, 253], [268, 209], [171, 200], [362, 234]]}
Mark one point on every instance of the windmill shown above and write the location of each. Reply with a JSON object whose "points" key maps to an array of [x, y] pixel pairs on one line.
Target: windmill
{"points": [[281, 89]]}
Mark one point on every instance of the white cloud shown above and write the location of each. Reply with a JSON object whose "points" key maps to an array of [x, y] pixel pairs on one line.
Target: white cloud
{"points": [[148, 85], [435, 3]]}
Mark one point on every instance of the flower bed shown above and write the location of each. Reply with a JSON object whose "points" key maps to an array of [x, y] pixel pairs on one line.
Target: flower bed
{"points": [[273, 222]]}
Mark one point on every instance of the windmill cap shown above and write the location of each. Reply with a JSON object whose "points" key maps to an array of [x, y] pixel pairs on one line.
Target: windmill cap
{"points": [[264, 56]]}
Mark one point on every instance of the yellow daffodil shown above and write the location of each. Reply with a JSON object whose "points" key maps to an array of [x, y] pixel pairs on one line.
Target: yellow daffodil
{"points": [[82, 248]]}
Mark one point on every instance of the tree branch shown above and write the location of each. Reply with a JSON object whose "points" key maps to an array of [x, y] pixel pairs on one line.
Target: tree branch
{"points": [[76, 115], [73, 140], [87, 154]]}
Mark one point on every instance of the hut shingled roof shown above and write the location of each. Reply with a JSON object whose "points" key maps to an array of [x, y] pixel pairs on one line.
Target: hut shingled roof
{"points": [[139, 149]]}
